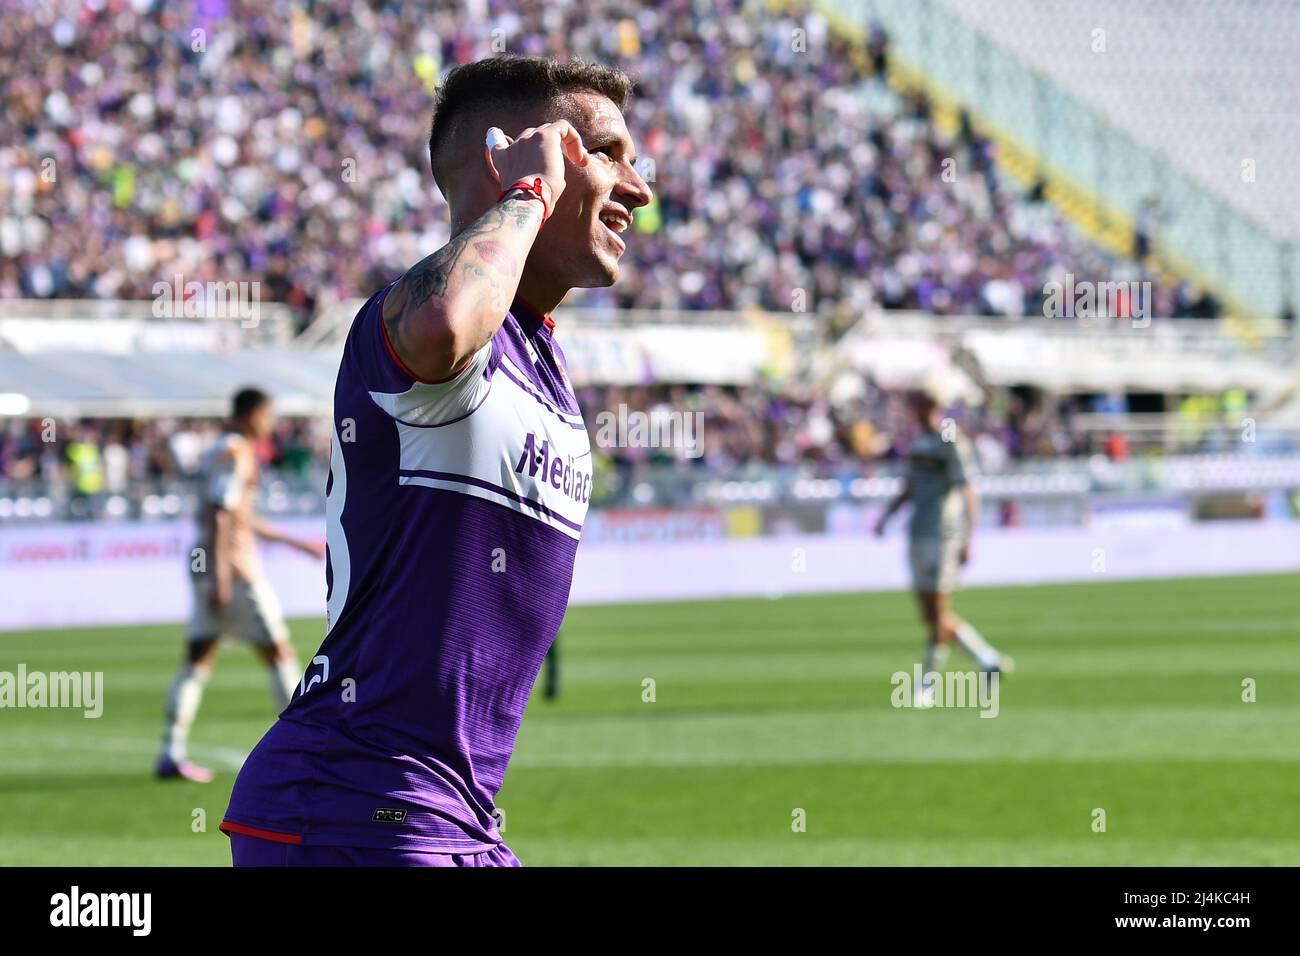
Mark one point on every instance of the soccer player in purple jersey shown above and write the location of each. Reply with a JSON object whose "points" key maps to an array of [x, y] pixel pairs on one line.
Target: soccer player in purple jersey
{"points": [[460, 473]]}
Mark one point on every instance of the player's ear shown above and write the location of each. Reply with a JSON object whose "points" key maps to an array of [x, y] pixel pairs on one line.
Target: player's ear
{"points": [[494, 139]]}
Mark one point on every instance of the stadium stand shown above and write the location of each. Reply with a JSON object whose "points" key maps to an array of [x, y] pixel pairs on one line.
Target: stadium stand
{"points": [[1160, 127], [797, 172], [783, 168]]}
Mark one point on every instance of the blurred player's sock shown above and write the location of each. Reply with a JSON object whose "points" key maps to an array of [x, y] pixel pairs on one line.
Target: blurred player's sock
{"points": [[182, 704], [936, 656], [284, 678], [975, 645]]}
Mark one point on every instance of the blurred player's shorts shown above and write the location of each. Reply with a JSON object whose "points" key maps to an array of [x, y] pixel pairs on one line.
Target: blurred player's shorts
{"points": [[252, 615], [936, 563]]}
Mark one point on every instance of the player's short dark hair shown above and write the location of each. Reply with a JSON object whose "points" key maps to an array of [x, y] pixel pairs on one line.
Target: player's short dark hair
{"points": [[508, 83], [922, 398], [247, 401]]}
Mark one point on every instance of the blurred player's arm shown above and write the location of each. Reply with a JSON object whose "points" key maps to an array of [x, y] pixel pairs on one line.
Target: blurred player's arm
{"points": [[267, 532], [972, 520], [220, 495], [961, 471], [450, 304], [221, 523], [900, 499]]}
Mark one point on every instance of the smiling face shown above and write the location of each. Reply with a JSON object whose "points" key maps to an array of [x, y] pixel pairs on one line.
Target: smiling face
{"points": [[585, 237]]}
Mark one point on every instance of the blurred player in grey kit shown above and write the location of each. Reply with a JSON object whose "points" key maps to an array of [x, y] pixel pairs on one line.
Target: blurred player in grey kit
{"points": [[945, 510]]}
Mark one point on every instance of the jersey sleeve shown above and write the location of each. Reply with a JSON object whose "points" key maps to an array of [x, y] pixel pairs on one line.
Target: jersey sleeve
{"points": [[223, 484], [401, 393]]}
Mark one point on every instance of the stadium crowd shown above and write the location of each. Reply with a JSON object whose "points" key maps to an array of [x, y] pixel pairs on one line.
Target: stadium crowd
{"points": [[283, 141]]}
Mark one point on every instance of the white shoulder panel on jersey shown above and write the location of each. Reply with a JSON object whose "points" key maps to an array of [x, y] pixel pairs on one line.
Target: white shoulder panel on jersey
{"points": [[426, 404], [524, 382], [515, 449]]}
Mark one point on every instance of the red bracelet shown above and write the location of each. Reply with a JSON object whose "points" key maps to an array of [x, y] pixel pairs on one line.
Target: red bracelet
{"points": [[535, 187]]}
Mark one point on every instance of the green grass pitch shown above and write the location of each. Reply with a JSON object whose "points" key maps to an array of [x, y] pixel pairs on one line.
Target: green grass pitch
{"points": [[1127, 697]]}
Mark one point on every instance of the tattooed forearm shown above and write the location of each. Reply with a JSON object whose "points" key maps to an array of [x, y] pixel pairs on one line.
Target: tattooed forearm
{"points": [[476, 274], [440, 272], [497, 256]]}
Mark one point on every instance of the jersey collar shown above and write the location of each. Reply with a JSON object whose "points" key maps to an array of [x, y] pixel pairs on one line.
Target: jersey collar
{"points": [[530, 318]]}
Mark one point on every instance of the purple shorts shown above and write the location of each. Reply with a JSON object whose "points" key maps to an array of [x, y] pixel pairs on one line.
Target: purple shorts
{"points": [[252, 851]]}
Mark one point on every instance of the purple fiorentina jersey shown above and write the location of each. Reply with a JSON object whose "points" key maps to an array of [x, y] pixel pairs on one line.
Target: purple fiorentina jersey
{"points": [[453, 512]]}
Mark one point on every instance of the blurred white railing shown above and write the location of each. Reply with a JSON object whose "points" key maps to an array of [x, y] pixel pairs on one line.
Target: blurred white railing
{"points": [[135, 325]]}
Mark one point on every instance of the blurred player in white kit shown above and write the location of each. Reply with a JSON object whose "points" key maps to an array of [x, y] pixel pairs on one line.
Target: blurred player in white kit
{"points": [[232, 597], [945, 510]]}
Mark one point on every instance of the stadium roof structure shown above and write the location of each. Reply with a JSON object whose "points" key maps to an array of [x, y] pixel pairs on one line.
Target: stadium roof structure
{"points": [[1067, 356], [118, 358], [100, 378], [77, 359], [127, 325], [79, 384]]}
